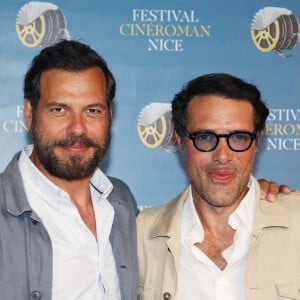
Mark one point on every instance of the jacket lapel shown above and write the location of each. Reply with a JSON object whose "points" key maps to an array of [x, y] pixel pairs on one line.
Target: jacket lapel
{"points": [[168, 225], [120, 245]]}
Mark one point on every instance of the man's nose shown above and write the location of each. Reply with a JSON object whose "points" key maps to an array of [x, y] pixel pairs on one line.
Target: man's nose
{"points": [[222, 153], [76, 124]]}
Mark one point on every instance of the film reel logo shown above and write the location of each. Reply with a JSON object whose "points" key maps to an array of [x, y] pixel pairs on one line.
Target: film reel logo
{"points": [[40, 24], [155, 127], [275, 29]]}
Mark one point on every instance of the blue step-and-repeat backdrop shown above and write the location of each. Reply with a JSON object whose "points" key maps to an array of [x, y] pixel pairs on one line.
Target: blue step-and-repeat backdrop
{"points": [[153, 48]]}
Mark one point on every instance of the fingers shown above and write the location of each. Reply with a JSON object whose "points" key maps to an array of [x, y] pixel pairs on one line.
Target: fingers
{"points": [[284, 189], [271, 189], [266, 193]]}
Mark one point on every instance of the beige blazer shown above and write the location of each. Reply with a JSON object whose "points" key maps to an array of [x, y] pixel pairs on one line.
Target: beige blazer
{"points": [[273, 268]]}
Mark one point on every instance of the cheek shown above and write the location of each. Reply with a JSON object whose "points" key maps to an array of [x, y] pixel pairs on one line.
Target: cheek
{"points": [[246, 160], [51, 129], [99, 130], [196, 160]]}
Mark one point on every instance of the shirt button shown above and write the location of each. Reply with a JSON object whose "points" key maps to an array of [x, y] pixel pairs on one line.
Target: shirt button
{"points": [[166, 296], [36, 295]]}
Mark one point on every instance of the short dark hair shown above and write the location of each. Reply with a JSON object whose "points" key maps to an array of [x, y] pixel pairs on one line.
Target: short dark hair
{"points": [[71, 56], [219, 84]]}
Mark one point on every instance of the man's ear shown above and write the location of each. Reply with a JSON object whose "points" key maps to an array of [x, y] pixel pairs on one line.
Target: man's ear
{"points": [[28, 111], [110, 113], [257, 141], [179, 141]]}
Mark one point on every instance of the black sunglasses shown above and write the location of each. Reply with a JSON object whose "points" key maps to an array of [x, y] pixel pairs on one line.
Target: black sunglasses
{"points": [[206, 141]]}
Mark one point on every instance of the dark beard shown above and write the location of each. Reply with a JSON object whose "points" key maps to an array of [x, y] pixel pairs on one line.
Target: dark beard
{"points": [[68, 167]]}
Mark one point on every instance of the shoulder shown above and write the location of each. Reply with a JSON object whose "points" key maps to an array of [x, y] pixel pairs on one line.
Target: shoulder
{"points": [[164, 212], [290, 208], [119, 185], [290, 203], [120, 188], [171, 205], [152, 212], [10, 179], [285, 206], [13, 166], [287, 210], [148, 215], [122, 194], [150, 218]]}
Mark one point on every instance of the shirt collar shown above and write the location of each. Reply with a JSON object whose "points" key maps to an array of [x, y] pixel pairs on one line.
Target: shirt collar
{"points": [[101, 183], [245, 211], [32, 176], [192, 230]]}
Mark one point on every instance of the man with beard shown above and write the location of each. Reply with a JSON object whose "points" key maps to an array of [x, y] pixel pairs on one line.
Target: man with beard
{"points": [[217, 240], [67, 230]]}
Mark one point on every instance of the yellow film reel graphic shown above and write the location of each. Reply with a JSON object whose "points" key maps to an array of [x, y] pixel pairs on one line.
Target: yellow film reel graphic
{"points": [[152, 136], [155, 127], [275, 29], [32, 35], [40, 24], [266, 40]]}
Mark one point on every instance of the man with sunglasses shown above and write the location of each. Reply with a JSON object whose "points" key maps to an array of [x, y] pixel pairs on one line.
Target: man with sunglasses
{"points": [[217, 240]]}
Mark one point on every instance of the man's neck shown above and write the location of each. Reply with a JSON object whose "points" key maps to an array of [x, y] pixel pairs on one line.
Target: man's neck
{"points": [[79, 193], [214, 218], [218, 234]]}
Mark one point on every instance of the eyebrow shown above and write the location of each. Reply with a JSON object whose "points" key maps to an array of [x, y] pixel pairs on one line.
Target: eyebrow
{"points": [[50, 104], [96, 105], [62, 104]]}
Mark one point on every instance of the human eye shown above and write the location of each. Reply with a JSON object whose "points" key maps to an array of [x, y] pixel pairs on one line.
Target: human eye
{"points": [[205, 140], [204, 136], [241, 136], [95, 112], [57, 110]]}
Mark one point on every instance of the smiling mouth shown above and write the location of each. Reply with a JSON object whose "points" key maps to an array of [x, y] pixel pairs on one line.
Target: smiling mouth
{"points": [[76, 148], [76, 144], [224, 176]]}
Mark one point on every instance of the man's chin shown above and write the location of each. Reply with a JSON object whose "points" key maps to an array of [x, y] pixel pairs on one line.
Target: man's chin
{"points": [[72, 173]]}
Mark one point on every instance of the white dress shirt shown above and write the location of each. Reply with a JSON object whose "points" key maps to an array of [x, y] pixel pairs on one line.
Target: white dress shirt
{"points": [[198, 276], [83, 266]]}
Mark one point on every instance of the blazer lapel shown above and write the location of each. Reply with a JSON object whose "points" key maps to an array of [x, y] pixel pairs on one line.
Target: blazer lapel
{"points": [[121, 247]]}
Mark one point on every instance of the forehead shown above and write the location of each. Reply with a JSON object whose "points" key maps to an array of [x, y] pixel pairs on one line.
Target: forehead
{"points": [[219, 113], [65, 86], [60, 78]]}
